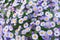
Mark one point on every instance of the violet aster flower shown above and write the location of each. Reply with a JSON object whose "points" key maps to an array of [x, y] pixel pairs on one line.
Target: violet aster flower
{"points": [[47, 25], [46, 18], [55, 19]]}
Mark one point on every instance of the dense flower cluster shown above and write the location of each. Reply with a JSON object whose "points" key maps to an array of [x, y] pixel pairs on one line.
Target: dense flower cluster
{"points": [[29, 20]]}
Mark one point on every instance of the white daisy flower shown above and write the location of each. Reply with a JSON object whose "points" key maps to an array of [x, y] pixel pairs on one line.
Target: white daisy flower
{"points": [[38, 28], [42, 33], [34, 36], [18, 37], [25, 25], [11, 35], [49, 32], [25, 18], [21, 21], [37, 22], [43, 24], [57, 33], [23, 37]]}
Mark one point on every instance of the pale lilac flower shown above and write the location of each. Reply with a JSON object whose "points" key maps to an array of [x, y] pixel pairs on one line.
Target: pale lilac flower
{"points": [[21, 20], [37, 22], [43, 24], [18, 37], [23, 37], [23, 32], [49, 32], [25, 25], [38, 28], [55, 19], [46, 18], [40, 8], [57, 33], [42, 33], [52, 24], [34, 36]]}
